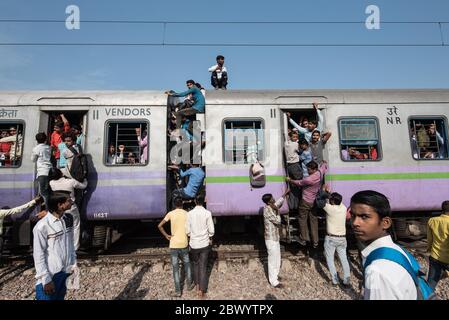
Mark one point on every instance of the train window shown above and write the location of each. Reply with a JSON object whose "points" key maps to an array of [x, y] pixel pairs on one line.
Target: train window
{"points": [[359, 139], [11, 144], [127, 143], [428, 138], [243, 141]]}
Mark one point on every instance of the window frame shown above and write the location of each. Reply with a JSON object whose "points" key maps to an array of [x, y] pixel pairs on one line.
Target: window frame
{"points": [[425, 117], [106, 139], [225, 120], [379, 138], [21, 122]]}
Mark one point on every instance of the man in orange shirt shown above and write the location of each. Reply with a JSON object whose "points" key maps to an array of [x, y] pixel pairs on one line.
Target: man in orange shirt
{"points": [[56, 138]]}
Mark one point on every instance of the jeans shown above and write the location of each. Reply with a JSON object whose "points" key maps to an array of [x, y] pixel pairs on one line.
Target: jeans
{"points": [[435, 270], [274, 261], [182, 253], [184, 112], [330, 245], [60, 288], [44, 189], [305, 216], [199, 261]]}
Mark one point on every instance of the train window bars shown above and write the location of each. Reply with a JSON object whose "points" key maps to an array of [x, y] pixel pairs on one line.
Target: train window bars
{"points": [[243, 141], [127, 143], [359, 139], [11, 144], [428, 138]]}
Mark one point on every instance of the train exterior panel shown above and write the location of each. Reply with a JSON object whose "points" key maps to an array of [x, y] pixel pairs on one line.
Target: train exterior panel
{"points": [[140, 192], [410, 184]]}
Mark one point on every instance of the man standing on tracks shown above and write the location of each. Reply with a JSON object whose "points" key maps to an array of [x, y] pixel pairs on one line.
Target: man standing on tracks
{"points": [[53, 248], [178, 244], [384, 279], [272, 223], [438, 246], [200, 229]]}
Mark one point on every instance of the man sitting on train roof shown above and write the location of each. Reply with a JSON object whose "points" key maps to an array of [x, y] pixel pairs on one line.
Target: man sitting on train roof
{"points": [[198, 106], [312, 125], [196, 178]]}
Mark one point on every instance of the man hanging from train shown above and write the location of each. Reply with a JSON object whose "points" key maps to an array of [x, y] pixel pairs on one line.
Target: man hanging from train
{"points": [[311, 185], [197, 107], [294, 169], [56, 138], [196, 177], [312, 125]]}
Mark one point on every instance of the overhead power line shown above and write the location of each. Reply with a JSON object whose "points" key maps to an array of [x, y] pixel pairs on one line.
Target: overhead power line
{"points": [[215, 44], [164, 41], [213, 22]]}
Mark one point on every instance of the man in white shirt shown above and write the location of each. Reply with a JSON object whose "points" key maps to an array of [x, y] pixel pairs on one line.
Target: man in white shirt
{"points": [[335, 239], [53, 249], [219, 77], [41, 155], [200, 229], [60, 183], [371, 219], [294, 168]]}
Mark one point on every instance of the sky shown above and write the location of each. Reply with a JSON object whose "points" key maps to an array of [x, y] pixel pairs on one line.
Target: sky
{"points": [[276, 66]]}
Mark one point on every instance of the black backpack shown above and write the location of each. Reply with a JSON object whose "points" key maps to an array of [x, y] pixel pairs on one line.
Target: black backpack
{"points": [[79, 167]]}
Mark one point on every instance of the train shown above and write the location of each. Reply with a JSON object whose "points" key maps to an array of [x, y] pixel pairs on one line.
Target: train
{"points": [[407, 128]]}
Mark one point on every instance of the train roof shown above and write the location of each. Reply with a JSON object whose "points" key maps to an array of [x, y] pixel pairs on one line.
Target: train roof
{"points": [[216, 97]]}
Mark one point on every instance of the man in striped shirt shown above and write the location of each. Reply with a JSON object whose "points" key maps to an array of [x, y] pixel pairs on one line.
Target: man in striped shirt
{"points": [[272, 223], [53, 248]]}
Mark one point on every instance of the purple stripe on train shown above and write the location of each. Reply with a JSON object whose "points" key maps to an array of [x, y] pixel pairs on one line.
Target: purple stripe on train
{"points": [[126, 202], [17, 177], [15, 197], [406, 195], [242, 172], [239, 199], [377, 169], [131, 175]]}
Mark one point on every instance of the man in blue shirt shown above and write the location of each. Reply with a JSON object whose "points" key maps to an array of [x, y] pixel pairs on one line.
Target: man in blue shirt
{"points": [[196, 178], [198, 106], [305, 156]]}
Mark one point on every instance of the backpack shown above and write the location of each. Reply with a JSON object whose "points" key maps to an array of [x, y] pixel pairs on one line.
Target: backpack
{"points": [[79, 168], [321, 195], [423, 290], [257, 175]]}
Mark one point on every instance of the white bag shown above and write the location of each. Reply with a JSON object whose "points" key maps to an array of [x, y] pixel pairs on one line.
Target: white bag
{"points": [[73, 281]]}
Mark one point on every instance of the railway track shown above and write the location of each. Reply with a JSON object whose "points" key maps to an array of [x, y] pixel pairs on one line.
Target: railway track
{"points": [[158, 252]]}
